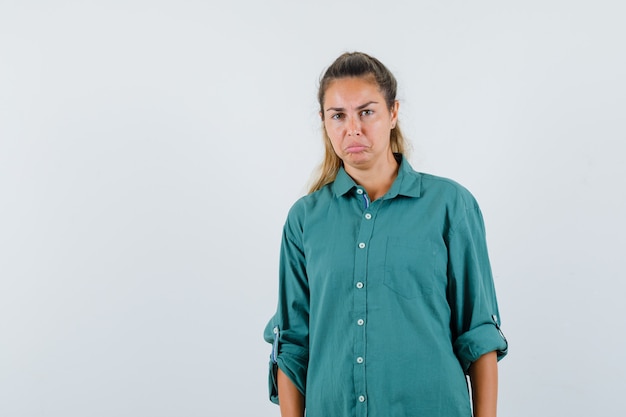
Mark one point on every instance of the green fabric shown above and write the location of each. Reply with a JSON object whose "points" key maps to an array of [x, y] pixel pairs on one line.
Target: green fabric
{"points": [[413, 266]]}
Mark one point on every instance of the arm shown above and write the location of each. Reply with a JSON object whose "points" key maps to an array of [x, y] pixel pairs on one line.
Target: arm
{"points": [[288, 330], [291, 400], [483, 375]]}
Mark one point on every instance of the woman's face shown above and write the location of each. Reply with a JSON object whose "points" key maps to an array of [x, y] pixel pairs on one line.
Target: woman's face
{"points": [[358, 122]]}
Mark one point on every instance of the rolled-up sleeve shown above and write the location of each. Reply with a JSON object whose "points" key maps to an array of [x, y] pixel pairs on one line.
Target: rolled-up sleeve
{"points": [[288, 330], [475, 321]]}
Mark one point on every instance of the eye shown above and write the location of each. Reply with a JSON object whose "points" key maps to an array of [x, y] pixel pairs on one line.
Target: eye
{"points": [[337, 116], [366, 112]]}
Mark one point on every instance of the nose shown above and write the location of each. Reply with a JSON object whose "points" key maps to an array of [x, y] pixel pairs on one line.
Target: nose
{"points": [[354, 126]]}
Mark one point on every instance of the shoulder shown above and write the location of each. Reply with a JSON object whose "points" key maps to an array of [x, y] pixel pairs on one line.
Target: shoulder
{"points": [[301, 211], [459, 204], [311, 201], [432, 187], [463, 211], [449, 190]]}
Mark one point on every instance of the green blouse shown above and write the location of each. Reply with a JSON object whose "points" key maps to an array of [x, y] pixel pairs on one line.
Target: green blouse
{"points": [[383, 305]]}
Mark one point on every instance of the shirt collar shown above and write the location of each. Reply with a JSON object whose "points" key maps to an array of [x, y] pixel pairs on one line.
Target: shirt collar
{"points": [[408, 182]]}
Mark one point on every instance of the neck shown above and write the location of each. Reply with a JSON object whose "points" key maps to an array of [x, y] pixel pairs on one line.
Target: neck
{"points": [[376, 180]]}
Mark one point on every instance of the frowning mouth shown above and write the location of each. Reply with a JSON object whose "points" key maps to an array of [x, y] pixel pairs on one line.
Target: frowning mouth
{"points": [[355, 148]]}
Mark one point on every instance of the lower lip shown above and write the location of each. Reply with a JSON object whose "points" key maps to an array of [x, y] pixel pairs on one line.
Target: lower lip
{"points": [[355, 149]]}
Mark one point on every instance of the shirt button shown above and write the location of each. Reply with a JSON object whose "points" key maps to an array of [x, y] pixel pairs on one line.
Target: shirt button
{"points": [[359, 360], [361, 245], [362, 398], [359, 191], [360, 322], [359, 285], [368, 216]]}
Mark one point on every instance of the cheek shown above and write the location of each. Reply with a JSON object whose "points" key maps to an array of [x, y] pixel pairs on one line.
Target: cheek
{"points": [[333, 134], [335, 139], [382, 128], [335, 144]]}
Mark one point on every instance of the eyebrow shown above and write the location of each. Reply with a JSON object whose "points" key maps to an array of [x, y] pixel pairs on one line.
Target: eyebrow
{"points": [[361, 107]]}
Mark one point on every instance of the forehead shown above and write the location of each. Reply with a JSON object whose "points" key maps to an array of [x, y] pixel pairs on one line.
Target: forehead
{"points": [[352, 90]]}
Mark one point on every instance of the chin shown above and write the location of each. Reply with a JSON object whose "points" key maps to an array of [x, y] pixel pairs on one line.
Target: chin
{"points": [[357, 160]]}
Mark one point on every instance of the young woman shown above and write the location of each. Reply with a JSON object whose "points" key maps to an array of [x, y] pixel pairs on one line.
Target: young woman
{"points": [[386, 298]]}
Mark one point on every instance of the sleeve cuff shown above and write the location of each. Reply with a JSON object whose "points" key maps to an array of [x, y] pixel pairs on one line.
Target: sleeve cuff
{"points": [[291, 359], [296, 373], [483, 339]]}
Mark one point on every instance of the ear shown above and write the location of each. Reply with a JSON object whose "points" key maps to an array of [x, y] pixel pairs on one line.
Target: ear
{"points": [[394, 113], [321, 116]]}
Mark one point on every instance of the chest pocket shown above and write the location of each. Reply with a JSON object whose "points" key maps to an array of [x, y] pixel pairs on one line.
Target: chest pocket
{"points": [[409, 267]]}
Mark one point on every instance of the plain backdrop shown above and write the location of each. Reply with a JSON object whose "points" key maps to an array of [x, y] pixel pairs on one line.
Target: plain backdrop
{"points": [[150, 151]]}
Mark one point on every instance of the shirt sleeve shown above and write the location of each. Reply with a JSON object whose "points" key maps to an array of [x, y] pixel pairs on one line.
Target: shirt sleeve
{"points": [[288, 330], [475, 321]]}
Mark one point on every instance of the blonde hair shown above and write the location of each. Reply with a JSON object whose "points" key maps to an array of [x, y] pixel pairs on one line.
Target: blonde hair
{"points": [[354, 64]]}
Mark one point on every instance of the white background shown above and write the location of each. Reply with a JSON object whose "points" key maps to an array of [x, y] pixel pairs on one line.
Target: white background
{"points": [[150, 150]]}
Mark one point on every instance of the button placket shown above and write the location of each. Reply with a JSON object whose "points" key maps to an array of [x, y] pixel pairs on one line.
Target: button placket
{"points": [[363, 236]]}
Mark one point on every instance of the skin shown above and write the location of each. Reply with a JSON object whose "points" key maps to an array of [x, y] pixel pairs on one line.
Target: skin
{"points": [[358, 123], [291, 400], [484, 381]]}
